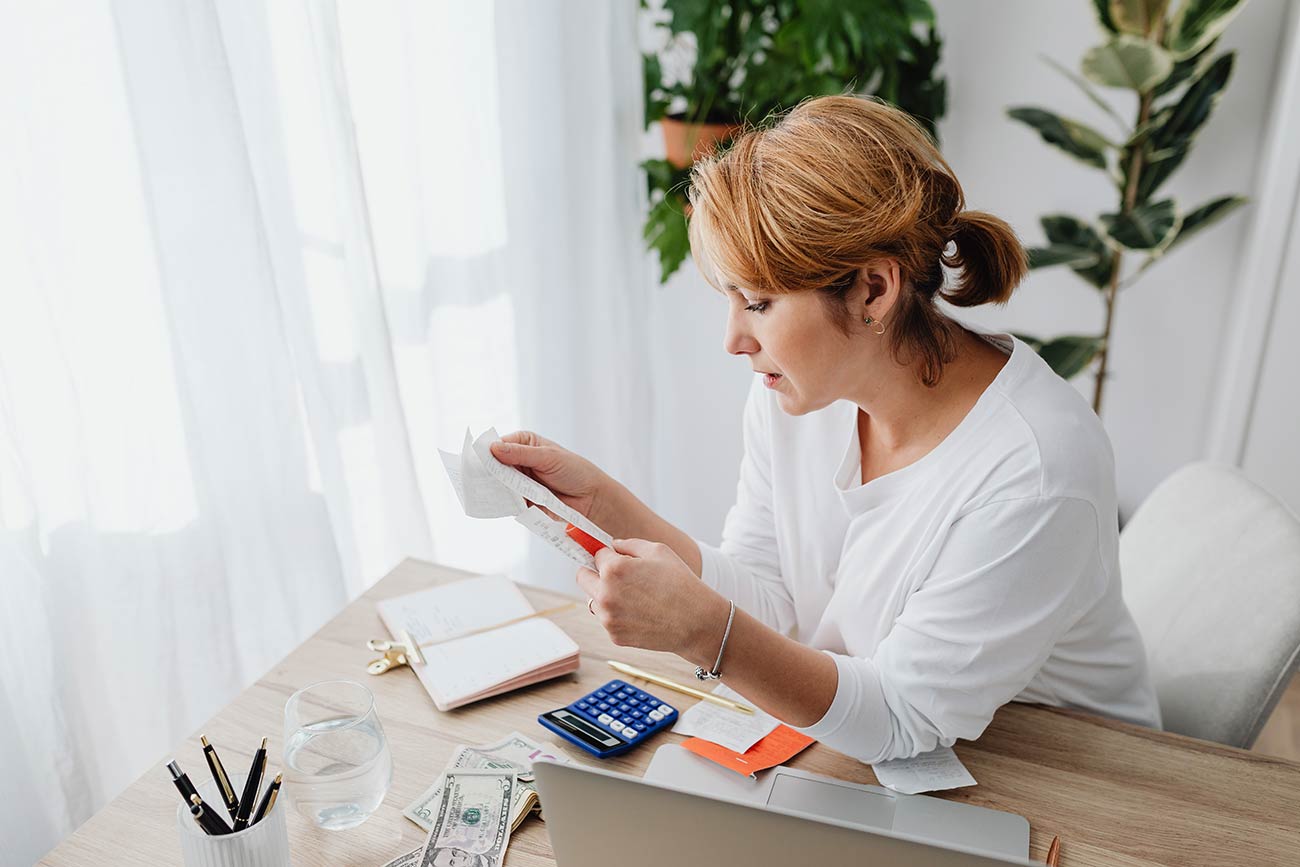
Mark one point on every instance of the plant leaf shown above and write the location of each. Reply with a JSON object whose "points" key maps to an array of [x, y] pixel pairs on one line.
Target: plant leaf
{"points": [[1145, 227], [1129, 62], [1070, 354], [1190, 67], [1067, 231], [1204, 217], [1062, 254], [1198, 23], [1176, 129], [1137, 16], [1102, 8], [665, 231], [1078, 140]]}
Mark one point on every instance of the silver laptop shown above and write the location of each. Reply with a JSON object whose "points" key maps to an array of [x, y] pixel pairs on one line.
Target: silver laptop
{"points": [[599, 818]]}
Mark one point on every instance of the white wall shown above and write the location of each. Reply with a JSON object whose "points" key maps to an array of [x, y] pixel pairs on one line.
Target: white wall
{"points": [[1169, 326]]}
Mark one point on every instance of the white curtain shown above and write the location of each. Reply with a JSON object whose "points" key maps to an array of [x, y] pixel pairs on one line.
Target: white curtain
{"points": [[257, 261]]}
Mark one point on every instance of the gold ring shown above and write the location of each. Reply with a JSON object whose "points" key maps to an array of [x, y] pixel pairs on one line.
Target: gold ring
{"points": [[589, 608]]}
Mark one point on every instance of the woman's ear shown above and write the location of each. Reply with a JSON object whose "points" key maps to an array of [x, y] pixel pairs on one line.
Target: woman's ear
{"points": [[877, 288]]}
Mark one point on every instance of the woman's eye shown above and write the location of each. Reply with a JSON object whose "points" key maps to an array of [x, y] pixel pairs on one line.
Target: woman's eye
{"points": [[757, 307]]}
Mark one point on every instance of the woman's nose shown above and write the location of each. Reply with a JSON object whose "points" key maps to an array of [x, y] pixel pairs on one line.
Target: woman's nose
{"points": [[737, 340]]}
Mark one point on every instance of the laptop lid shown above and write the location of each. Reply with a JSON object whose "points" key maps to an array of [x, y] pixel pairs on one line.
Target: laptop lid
{"points": [[599, 818]]}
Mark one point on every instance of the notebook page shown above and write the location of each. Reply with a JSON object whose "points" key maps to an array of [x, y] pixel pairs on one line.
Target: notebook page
{"points": [[452, 608], [479, 662]]}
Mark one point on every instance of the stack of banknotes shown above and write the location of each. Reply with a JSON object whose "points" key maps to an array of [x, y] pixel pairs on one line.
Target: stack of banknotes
{"points": [[483, 795]]}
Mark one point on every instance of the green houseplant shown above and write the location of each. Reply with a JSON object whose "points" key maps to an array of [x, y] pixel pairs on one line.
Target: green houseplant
{"points": [[1172, 66], [745, 59]]}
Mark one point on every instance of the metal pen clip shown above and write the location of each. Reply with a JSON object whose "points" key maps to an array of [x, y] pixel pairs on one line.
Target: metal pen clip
{"points": [[396, 654]]}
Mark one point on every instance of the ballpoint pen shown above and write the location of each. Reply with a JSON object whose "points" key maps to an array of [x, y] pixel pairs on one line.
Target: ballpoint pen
{"points": [[268, 800], [208, 820], [254, 782], [673, 685], [181, 781], [219, 774]]}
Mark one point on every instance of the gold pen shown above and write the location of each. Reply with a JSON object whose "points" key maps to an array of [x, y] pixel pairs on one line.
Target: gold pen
{"points": [[1053, 852], [226, 791], [673, 685]]}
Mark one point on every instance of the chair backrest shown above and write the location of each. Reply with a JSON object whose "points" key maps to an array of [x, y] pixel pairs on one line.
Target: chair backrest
{"points": [[1211, 571]]}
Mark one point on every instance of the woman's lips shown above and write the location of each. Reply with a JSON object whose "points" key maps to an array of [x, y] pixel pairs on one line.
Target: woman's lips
{"points": [[771, 379]]}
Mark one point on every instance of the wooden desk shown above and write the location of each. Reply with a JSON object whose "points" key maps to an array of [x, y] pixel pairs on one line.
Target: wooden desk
{"points": [[1119, 795]]}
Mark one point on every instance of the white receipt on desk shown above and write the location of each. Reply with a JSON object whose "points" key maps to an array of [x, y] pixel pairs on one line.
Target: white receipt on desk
{"points": [[729, 728], [929, 772], [488, 488]]}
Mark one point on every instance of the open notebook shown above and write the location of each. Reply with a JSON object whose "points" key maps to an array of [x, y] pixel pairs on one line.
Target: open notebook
{"points": [[467, 669]]}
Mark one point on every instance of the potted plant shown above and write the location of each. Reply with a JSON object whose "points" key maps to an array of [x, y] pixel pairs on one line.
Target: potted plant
{"points": [[1172, 65], [724, 62]]}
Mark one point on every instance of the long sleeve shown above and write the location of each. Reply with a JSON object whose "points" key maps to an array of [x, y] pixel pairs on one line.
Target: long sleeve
{"points": [[746, 566], [1010, 579]]}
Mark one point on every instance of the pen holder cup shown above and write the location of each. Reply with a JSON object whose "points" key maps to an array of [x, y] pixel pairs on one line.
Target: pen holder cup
{"points": [[265, 844]]}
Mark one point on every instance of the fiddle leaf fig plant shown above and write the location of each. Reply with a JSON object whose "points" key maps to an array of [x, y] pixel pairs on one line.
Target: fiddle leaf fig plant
{"points": [[1171, 64]]}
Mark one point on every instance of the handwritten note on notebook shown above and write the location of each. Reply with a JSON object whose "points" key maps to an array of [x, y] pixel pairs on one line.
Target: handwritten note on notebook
{"points": [[929, 772], [488, 488], [467, 669]]}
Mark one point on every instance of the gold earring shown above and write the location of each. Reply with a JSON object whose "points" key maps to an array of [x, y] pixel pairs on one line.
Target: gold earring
{"points": [[868, 321]]}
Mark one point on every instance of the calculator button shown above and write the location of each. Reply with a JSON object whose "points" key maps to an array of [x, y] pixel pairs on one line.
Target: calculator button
{"points": [[582, 705], [616, 725], [615, 686], [641, 696], [602, 706], [656, 715], [600, 693], [630, 733], [636, 714], [624, 708], [626, 720], [639, 726], [604, 719], [665, 710]]}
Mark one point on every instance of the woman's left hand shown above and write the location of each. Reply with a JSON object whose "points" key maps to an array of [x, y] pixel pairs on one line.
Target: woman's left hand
{"points": [[646, 596]]}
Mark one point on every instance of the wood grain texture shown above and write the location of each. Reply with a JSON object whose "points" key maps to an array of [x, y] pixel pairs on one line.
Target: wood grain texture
{"points": [[1119, 795]]}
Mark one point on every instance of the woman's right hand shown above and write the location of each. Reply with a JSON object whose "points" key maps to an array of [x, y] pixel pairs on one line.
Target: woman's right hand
{"points": [[574, 479]]}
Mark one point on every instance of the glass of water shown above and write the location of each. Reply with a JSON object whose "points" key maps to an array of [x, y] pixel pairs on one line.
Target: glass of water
{"points": [[337, 766]]}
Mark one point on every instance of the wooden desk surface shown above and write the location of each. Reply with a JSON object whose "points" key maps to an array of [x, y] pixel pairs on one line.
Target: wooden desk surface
{"points": [[1119, 795]]}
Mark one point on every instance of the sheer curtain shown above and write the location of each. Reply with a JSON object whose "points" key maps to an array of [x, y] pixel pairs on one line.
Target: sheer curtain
{"points": [[257, 261]]}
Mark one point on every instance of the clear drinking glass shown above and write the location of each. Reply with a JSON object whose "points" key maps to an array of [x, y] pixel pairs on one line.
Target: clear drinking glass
{"points": [[337, 766]]}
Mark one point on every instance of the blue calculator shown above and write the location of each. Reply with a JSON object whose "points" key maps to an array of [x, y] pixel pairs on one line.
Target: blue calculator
{"points": [[611, 720]]}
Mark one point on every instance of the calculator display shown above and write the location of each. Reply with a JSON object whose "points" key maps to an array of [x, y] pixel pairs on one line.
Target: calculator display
{"points": [[582, 727]]}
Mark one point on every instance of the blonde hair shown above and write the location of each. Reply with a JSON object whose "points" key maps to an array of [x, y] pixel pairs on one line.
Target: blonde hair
{"points": [[836, 184]]}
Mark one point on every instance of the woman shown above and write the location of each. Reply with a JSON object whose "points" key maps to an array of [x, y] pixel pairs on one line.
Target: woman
{"points": [[929, 511]]}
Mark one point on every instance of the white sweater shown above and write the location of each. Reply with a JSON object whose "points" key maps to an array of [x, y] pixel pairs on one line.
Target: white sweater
{"points": [[984, 572]]}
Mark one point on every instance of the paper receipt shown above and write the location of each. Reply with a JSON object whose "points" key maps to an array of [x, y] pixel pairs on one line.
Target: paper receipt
{"points": [[929, 772], [488, 488]]}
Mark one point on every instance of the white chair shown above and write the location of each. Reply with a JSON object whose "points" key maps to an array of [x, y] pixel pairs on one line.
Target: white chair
{"points": [[1211, 571]]}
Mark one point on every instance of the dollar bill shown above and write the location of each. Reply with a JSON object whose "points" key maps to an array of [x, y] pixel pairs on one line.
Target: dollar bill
{"points": [[472, 826], [515, 752], [410, 859]]}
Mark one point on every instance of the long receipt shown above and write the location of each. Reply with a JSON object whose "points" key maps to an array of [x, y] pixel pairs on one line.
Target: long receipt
{"points": [[929, 772], [488, 488]]}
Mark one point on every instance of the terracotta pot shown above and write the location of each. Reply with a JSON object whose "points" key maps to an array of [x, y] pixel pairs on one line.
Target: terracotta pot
{"points": [[687, 142]]}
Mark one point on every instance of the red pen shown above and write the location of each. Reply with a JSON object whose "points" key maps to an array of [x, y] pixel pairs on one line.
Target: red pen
{"points": [[588, 543]]}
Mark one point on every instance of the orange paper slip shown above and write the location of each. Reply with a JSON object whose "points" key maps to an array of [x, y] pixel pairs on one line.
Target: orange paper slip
{"points": [[783, 744]]}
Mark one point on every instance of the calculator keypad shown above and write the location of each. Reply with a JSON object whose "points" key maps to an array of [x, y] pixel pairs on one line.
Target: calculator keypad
{"points": [[624, 711]]}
